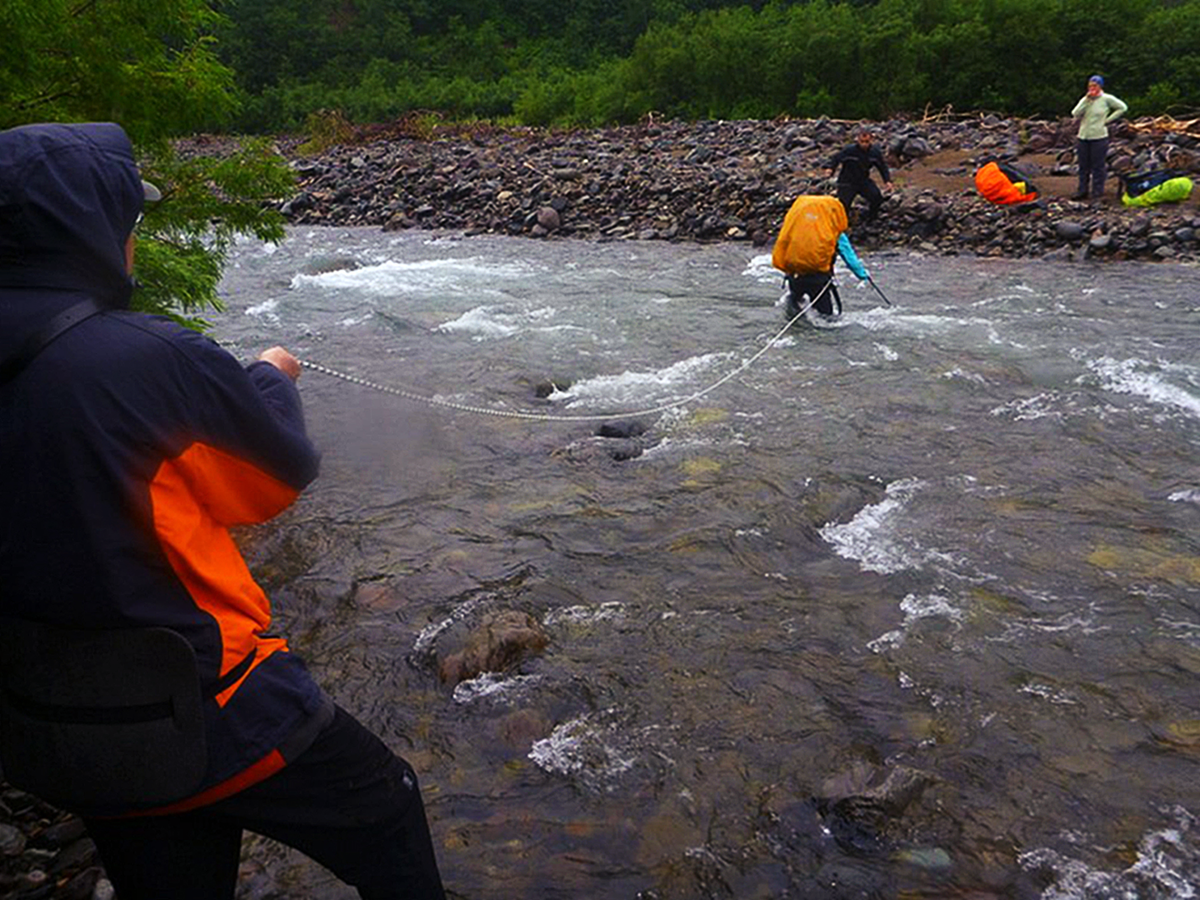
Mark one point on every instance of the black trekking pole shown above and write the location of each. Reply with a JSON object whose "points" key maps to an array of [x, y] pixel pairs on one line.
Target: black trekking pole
{"points": [[871, 281]]}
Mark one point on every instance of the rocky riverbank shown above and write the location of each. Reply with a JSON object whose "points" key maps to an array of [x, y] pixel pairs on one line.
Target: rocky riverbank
{"points": [[45, 853], [734, 180]]}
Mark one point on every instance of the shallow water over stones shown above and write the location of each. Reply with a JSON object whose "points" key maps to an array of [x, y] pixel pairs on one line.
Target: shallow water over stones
{"points": [[907, 607]]}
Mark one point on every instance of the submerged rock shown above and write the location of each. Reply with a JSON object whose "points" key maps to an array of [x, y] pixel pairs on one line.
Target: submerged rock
{"points": [[624, 429], [863, 805], [499, 642]]}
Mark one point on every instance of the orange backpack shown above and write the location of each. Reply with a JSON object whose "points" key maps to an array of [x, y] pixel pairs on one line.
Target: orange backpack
{"points": [[808, 239], [1004, 184]]}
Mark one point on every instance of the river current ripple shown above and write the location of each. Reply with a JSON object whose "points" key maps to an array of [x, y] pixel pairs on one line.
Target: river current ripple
{"points": [[908, 607]]}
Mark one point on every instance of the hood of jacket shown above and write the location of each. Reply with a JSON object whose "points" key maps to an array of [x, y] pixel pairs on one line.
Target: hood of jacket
{"points": [[70, 196]]}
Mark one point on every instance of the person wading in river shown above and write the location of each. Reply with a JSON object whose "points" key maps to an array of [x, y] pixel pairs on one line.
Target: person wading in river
{"points": [[139, 686], [856, 161], [813, 234]]}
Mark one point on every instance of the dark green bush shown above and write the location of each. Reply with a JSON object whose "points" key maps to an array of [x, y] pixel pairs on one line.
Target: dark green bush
{"points": [[596, 61]]}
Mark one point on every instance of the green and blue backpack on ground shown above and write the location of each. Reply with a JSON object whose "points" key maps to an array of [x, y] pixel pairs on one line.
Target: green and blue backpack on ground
{"points": [[1152, 188]]}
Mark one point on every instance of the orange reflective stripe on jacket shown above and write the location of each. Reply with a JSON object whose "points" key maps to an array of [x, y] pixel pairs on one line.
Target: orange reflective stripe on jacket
{"points": [[196, 498]]}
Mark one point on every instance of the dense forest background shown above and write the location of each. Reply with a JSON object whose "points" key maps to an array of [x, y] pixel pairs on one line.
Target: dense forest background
{"points": [[594, 62]]}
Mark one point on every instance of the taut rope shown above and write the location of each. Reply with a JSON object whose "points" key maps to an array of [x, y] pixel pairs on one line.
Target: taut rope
{"points": [[546, 417]]}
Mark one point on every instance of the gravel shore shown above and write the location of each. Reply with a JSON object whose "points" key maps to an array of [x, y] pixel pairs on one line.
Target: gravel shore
{"points": [[734, 180]]}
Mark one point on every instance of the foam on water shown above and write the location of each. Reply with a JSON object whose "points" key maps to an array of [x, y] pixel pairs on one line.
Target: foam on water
{"points": [[641, 388], [759, 268], [1147, 380], [491, 322], [873, 538], [392, 277], [492, 685], [916, 608], [594, 750], [1030, 408], [483, 322], [959, 373], [425, 643], [673, 447], [267, 310], [613, 611], [895, 320], [1167, 868], [1082, 621]]}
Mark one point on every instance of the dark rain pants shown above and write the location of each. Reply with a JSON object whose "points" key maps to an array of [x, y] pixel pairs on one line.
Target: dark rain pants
{"points": [[867, 189], [819, 286], [347, 802], [1093, 166]]}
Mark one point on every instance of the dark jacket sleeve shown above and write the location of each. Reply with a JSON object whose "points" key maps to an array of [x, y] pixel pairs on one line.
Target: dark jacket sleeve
{"points": [[255, 413], [839, 158], [282, 400], [205, 396]]}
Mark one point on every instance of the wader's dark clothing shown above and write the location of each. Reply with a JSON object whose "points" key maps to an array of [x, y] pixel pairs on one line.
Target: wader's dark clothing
{"points": [[818, 286], [854, 177]]}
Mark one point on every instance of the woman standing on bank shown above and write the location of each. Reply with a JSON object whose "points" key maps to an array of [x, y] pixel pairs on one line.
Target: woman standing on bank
{"points": [[1094, 110]]}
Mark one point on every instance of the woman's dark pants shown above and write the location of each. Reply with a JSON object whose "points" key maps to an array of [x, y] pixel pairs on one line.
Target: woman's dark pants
{"points": [[1093, 166], [817, 289]]}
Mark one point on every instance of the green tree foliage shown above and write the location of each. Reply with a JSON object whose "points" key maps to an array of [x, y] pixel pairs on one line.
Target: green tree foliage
{"points": [[208, 202], [150, 66], [597, 61]]}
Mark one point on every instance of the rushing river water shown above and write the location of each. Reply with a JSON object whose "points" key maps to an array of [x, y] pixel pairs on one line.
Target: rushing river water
{"points": [[909, 607]]}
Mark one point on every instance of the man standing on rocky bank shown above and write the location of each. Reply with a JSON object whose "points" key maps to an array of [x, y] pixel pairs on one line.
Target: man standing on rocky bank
{"points": [[856, 161], [1094, 110]]}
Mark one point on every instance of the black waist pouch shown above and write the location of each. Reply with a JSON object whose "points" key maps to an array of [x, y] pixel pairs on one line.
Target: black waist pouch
{"points": [[96, 721]]}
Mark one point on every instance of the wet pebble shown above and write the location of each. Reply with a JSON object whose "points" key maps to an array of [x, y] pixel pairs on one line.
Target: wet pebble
{"points": [[47, 853], [12, 842]]}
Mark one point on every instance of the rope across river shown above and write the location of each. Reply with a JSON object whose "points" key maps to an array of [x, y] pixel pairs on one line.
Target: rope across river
{"points": [[530, 415]]}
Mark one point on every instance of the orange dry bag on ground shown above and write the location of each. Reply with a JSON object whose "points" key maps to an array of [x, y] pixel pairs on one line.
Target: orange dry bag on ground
{"points": [[1004, 184], [808, 239]]}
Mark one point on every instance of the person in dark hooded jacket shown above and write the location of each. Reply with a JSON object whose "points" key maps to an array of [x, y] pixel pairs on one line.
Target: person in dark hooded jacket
{"points": [[129, 447]]}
